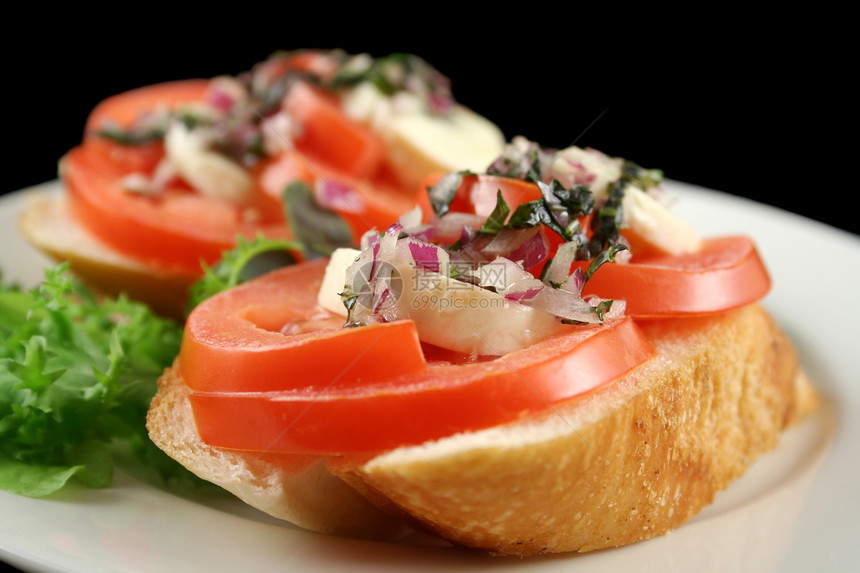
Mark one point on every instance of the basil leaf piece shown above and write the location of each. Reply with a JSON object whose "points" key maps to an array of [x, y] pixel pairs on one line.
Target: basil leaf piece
{"points": [[131, 136], [531, 214], [605, 256], [608, 220], [318, 230], [641, 177], [443, 192], [496, 221], [576, 200], [517, 164]]}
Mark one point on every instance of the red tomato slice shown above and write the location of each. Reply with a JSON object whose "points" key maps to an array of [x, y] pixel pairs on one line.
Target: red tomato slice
{"points": [[478, 193], [124, 108], [361, 203], [726, 273], [175, 229], [269, 334], [324, 413], [178, 228], [326, 135]]}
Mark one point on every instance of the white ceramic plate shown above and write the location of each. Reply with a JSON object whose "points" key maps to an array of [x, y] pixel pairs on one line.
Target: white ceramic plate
{"points": [[798, 508]]}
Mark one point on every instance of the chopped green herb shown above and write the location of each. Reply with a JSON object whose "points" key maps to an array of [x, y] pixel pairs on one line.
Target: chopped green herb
{"points": [[639, 176], [608, 219], [498, 218], [318, 230], [605, 256], [526, 161], [132, 136], [558, 209], [397, 72], [443, 192]]}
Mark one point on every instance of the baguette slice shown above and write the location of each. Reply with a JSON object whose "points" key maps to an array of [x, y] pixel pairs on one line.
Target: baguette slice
{"points": [[626, 462], [47, 225]]}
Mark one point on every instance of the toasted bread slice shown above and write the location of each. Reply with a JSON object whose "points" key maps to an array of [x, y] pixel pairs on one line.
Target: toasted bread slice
{"points": [[295, 488], [47, 225], [626, 462]]}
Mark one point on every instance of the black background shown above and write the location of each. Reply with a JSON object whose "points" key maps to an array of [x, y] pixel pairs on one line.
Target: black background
{"points": [[741, 110]]}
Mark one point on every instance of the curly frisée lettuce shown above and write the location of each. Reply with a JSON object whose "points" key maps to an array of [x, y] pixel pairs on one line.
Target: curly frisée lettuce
{"points": [[249, 258], [76, 379]]}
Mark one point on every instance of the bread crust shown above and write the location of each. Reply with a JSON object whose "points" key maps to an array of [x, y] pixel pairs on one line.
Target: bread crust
{"points": [[47, 225], [632, 460], [626, 462]]}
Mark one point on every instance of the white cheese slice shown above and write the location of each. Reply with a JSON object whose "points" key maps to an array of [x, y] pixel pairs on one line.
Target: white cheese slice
{"points": [[467, 318], [422, 143], [654, 222], [587, 167], [447, 313], [210, 173], [334, 280]]}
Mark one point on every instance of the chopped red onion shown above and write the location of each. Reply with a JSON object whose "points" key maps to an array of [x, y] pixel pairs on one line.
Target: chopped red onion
{"points": [[450, 227], [377, 310], [530, 247], [578, 279], [334, 194], [425, 255], [374, 258], [506, 276], [580, 174], [412, 218], [369, 238], [563, 304], [521, 296], [440, 104], [220, 100], [413, 225]]}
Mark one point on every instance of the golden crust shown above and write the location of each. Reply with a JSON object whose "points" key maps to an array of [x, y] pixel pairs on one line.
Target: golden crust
{"points": [[640, 457], [626, 462], [46, 225]]}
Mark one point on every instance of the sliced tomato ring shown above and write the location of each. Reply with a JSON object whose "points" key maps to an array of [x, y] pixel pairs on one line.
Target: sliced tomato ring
{"points": [[270, 335], [178, 228], [175, 229], [726, 273], [327, 135], [124, 108], [481, 192], [478, 193], [322, 414], [363, 204]]}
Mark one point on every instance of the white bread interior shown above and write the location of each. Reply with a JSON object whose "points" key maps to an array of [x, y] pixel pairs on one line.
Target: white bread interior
{"points": [[295, 488], [626, 462], [47, 225]]}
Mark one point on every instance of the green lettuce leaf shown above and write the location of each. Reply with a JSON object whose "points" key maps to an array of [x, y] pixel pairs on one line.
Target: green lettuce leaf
{"points": [[76, 379]]}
